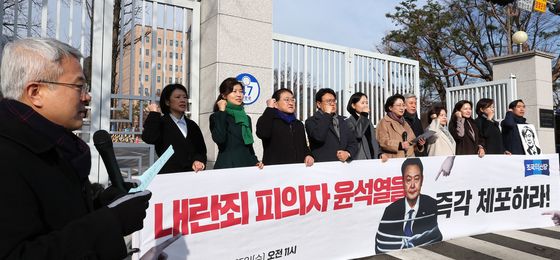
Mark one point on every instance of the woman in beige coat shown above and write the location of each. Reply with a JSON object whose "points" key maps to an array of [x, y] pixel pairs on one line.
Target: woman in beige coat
{"points": [[394, 134], [442, 142]]}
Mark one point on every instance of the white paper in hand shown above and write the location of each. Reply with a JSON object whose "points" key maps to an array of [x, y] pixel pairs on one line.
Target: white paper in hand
{"points": [[151, 172]]}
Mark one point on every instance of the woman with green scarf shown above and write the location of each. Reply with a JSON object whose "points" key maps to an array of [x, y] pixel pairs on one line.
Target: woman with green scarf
{"points": [[231, 128]]}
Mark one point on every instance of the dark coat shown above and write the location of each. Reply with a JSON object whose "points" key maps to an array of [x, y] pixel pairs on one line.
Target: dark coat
{"points": [[47, 212], [365, 136], [466, 144], [323, 140], [283, 143], [510, 133], [162, 131], [416, 125], [490, 135], [427, 212], [233, 152]]}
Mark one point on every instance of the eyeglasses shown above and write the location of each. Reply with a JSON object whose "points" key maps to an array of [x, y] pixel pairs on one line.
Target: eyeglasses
{"points": [[330, 101], [83, 88], [289, 100]]}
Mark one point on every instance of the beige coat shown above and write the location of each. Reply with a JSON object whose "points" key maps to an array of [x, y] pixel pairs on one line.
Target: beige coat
{"points": [[389, 135], [440, 143]]}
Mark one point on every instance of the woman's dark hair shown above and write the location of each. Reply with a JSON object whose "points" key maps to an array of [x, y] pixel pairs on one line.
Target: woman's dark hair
{"points": [[353, 100], [391, 101], [276, 95], [322, 92], [513, 104], [166, 95], [483, 103], [225, 88], [459, 105], [436, 109]]}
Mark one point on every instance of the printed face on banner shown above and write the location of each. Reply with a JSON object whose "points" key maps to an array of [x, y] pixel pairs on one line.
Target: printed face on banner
{"points": [[529, 138], [412, 182]]}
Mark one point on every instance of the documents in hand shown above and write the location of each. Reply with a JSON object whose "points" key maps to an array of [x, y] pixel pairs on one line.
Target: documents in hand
{"points": [[426, 135], [151, 172]]}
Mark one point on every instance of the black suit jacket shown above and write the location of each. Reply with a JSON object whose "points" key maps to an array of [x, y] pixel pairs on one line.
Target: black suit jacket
{"points": [[391, 226], [323, 140], [162, 131]]}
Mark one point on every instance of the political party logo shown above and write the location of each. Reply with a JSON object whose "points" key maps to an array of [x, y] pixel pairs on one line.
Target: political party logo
{"points": [[251, 88], [537, 167]]}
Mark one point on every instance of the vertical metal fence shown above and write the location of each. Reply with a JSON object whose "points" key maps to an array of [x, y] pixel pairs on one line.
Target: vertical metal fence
{"points": [[305, 66], [501, 91]]}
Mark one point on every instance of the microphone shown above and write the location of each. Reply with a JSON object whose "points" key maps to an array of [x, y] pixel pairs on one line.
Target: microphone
{"points": [[104, 146], [404, 137]]}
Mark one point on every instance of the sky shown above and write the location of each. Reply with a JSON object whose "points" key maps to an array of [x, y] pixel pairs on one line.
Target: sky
{"points": [[359, 24]]}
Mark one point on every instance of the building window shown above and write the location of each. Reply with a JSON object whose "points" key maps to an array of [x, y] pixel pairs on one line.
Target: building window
{"points": [[139, 64], [170, 54], [170, 67], [139, 77], [176, 43], [159, 66], [147, 52], [159, 53], [147, 65], [170, 42], [147, 39], [176, 55], [158, 40], [158, 79], [176, 68], [140, 51], [146, 78]]}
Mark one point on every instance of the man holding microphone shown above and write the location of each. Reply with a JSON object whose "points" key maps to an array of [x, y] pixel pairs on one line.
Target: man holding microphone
{"points": [[48, 211]]}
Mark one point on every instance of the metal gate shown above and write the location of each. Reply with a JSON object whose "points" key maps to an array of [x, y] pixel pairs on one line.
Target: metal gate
{"points": [[131, 50]]}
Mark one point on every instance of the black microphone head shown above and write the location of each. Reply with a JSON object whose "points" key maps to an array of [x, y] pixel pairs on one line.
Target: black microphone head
{"points": [[404, 136], [102, 137]]}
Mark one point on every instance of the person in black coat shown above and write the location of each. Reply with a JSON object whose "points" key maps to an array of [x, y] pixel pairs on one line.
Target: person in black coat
{"points": [[463, 129], [329, 136], [283, 136], [510, 132], [411, 117], [360, 124], [48, 208], [488, 129], [174, 128], [410, 221], [231, 128]]}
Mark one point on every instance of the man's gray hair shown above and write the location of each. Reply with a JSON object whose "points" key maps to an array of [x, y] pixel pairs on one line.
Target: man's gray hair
{"points": [[409, 95], [32, 59]]}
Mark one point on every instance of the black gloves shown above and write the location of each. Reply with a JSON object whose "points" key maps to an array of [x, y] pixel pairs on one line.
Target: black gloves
{"points": [[130, 210], [105, 196]]}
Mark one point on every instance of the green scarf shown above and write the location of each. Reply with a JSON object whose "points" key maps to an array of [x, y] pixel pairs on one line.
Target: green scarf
{"points": [[242, 119]]}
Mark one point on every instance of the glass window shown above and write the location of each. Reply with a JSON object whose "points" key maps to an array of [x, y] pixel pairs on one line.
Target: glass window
{"points": [[170, 54], [146, 78], [159, 66], [139, 77], [176, 43], [147, 52], [158, 40], [176, 55], [170, 67], [139, 64], [147, 39], [170, 42], [158, 79]]}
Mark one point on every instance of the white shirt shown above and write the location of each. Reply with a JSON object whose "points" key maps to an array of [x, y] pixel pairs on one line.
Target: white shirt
{"points": [[181, 123], [407, 208]]}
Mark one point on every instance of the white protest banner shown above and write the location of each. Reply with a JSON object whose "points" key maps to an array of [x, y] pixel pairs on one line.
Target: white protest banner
{"points": [[346, 210]]}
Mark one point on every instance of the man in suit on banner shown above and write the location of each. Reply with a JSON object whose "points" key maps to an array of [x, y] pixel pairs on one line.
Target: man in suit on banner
{"points": [[410, 221]]}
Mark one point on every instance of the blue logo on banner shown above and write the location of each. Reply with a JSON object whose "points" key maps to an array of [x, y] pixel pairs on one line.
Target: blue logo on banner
{"points": [[251, 88], [537, 167]]}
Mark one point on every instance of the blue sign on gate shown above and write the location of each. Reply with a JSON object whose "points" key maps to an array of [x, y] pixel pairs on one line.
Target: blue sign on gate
{"points": [[251, 88]]}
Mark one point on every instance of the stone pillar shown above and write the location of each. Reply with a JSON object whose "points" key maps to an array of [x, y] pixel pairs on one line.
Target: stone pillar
{"points": [[533, 70], [235, 38]]}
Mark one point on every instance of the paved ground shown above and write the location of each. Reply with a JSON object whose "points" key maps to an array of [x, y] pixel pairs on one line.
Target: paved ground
{"points": [[538, 243]]}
